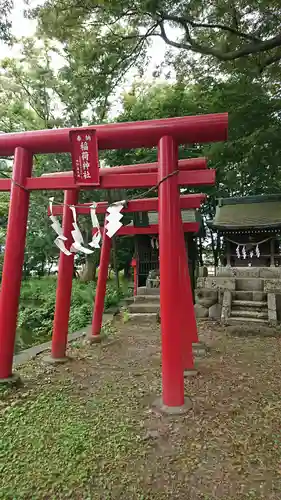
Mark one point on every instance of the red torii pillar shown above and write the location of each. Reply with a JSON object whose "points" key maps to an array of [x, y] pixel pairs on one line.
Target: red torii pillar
{"points": [[101, 288], [13, 259], [188, 320], [64, 283], [170, 306]]}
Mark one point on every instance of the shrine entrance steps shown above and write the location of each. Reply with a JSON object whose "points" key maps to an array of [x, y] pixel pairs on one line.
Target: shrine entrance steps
{"points": [[248, 306], [146, 305]]}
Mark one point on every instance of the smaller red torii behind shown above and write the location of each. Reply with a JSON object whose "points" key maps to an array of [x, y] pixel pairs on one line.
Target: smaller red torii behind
{"points": [[65, 272]]}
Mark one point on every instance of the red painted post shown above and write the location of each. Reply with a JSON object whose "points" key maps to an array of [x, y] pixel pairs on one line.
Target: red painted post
{"points": [[134, 265], [13, 260], [189, 298], [188, 329], [101, 286], [190, 319], [135, 281], [169, 236], [64, 285]]}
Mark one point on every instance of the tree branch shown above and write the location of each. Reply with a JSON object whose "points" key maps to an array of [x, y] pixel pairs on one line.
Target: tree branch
{"points": [[187, 20], [249, 49], [270, 60]]}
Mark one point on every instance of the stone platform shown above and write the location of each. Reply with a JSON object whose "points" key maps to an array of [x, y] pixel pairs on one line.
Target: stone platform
{"points": [[240, 294]]}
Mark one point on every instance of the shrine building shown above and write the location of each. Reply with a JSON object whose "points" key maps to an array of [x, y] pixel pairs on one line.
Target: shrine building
{"points": [[246, 288], [250, 228]]}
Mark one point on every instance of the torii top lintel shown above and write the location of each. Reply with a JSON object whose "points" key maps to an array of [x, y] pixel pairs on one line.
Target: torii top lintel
{"points": [[126, 135]]}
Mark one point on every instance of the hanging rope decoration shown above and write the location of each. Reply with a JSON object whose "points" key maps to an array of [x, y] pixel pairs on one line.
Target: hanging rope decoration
{"points": [[113, 217], [244, 252], [113, 224]]}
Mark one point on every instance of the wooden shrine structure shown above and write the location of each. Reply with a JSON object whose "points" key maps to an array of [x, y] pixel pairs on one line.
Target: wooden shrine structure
{"points": [[250, 228]]}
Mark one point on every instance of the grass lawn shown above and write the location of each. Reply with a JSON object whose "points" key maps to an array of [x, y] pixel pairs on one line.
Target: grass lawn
{"points": [[86, 430]]}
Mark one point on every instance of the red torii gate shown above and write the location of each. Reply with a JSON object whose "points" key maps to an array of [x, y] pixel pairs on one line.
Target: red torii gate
{"points": [[166, 134], [65, 270]]}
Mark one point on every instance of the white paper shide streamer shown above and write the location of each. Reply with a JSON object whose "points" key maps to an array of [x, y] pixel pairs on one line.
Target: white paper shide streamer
{"points": [[112, 225], [78, 242], [113, 217], [96, 238], [59, 241]]}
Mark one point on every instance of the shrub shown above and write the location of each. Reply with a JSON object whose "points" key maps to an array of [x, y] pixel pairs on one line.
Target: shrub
{"points": [[37, 307]]}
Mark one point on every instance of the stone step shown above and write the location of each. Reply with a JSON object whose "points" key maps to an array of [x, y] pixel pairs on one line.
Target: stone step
{"points": [[251, 321], [253, 304], [249, 314], [143, 317], [144, 290], [126, 301], [249, 284], [248, 295], [147, 298], [143, 307]]}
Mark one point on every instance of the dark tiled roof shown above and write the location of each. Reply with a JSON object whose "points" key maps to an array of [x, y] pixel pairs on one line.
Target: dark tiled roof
{"points": [[246, 213]]}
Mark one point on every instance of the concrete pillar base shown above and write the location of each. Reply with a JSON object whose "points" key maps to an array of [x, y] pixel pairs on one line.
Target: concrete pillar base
{"points": [[199, 345], [199, 349], [190, 373], [13, 381], [158, 405], [94, 339], [49, 360]]}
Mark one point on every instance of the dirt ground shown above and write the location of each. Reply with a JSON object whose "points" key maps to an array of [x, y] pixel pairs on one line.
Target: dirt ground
{"points": [[86, 430]]}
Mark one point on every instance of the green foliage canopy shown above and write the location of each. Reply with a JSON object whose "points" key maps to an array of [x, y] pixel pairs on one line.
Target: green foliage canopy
{"points": [[223, 30]]}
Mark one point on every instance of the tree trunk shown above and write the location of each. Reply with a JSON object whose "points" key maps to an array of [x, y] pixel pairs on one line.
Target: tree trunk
{"points": [[89, 271], [127, 271], [50, 268]]}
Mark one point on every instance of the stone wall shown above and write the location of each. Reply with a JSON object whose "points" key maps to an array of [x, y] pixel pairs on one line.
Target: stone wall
{"points": [[207, 304], [272, 286], [273, 289], [216, 283], [214, 293], [258, 280], [249, 272]]}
